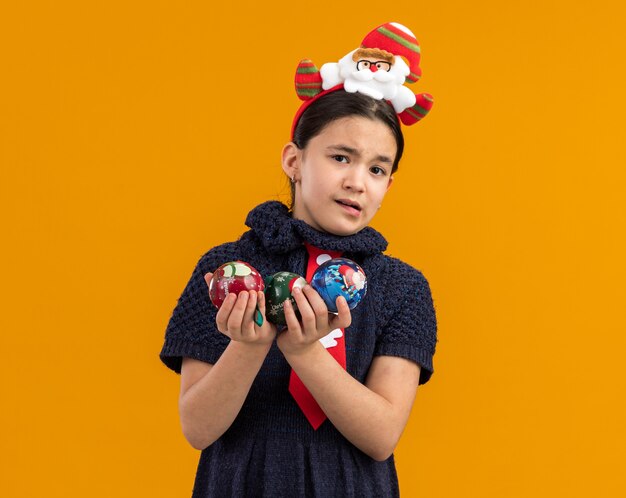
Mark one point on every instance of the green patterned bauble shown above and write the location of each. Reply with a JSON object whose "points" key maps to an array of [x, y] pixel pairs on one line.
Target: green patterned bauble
{"points": [[278, 289]]}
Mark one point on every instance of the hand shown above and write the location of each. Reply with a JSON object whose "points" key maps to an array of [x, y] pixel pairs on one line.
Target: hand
{"points": [[316, 321], [235, 318]]}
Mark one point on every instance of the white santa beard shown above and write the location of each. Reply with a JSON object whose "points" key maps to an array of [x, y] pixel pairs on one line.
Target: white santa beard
{"points": [[361, 75], [364, 87], [384, 76], [361, 81], [367, 75], [378, 85]]}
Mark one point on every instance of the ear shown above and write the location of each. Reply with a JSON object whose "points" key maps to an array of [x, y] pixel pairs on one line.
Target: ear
{"points": [[291, 160]]}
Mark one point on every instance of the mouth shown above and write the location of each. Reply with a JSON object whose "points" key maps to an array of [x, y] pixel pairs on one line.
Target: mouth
{"points": [[351, 207]]}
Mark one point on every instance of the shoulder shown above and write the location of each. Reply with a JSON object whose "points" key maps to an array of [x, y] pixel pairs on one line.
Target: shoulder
{"points": [[402, 289], [399, 274], [218, 253], [228, 251]]}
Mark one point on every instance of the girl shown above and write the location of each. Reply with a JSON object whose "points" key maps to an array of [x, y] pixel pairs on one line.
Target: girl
{"points": [[318, 408]]}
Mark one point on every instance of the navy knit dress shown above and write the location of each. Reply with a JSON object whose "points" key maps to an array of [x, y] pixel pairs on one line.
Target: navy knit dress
{"points": [[270, 450]]}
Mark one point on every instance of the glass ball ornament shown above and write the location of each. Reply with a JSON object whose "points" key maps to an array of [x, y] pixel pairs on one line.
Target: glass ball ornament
{"points": [[278, 288], [232, 278], [340, 277]]}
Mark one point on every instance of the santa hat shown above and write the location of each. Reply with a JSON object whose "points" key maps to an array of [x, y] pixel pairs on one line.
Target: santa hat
{"points": [[397, 40]]}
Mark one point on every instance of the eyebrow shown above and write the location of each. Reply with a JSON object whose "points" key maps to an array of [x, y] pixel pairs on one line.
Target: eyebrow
{"points": [[355, 152]]}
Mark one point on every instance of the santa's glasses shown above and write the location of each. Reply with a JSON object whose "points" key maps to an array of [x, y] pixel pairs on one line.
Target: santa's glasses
{"points": [[379, 65]]}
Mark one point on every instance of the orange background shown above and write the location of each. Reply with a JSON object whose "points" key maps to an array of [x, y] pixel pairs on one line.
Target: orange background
{"points": [[134, 136]]}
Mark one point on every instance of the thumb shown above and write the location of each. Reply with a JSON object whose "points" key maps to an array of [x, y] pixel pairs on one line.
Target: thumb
{"points": [[208, 277], [343, 318]]}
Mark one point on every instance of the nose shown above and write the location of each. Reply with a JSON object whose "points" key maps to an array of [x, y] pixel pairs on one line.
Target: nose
{"points": [[354, 179], [373, 68]]}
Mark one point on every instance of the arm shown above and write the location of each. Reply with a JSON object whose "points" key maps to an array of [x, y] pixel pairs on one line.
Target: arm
{"points": [[370, 416], [211, 396]]}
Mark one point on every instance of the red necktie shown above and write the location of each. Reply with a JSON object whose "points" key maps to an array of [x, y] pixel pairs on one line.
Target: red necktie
{"points": [[298, 390]]}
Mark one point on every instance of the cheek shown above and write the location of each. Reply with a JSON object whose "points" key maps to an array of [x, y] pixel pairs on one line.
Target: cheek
{"points": [[310, 191], [314, 184], [379, 193]]}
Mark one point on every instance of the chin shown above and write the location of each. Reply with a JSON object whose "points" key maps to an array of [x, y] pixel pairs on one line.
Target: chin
{"points": [[343, 230], [346, 227], [339, 225]]}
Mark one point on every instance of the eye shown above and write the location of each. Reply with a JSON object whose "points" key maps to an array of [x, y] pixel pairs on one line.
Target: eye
{"points": [[378, 171], [340, 159]]}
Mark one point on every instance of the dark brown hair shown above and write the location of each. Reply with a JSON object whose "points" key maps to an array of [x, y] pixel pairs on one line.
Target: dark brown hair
{"points": [[341, 104]]}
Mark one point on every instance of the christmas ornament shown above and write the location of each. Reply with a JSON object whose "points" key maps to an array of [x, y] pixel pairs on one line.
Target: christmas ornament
{"points": [[340, 277], [278, 289], [234, 277]]}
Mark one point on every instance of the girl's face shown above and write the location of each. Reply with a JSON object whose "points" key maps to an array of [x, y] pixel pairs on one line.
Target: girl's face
{"points": [[342, 175]]}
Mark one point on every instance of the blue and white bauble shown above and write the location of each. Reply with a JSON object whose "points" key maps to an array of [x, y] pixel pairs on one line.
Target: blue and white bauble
{"points": [[340, 277]]}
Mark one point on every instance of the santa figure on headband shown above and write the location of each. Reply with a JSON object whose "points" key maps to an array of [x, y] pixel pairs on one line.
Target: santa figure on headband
{"points": [[388, 56], [371, 71]]}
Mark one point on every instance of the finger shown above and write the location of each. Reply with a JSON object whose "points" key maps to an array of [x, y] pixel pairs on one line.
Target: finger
{"points": [[344, 317], [248, 316], [292, 320], [208, 277], [318, 305], [306, 312], [236, 316], [224, 312]]}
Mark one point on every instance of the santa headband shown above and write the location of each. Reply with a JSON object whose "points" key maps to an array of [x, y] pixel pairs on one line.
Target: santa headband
{"points": [[388, 56]]}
